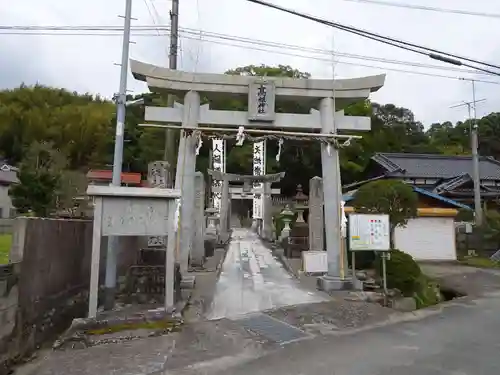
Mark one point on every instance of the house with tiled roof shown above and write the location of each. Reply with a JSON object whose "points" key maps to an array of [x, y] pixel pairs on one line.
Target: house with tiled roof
{"points": [[444, 186], [445, 175], [104, 177]]}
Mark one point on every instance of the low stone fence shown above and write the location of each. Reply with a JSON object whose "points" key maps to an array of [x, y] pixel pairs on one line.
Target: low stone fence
{"points": [[6, 226], [45, 285], [474, 241]]}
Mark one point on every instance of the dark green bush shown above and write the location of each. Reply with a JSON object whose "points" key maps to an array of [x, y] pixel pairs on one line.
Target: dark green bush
{"points": [[427, 293], [363, 259], [403, 272]]}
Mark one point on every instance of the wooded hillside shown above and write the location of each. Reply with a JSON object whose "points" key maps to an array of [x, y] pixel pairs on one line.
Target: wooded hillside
{"points": [[81, 126]]}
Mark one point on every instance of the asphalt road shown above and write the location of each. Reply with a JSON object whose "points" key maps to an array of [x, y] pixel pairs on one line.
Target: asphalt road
{"points": [[463, 340]]}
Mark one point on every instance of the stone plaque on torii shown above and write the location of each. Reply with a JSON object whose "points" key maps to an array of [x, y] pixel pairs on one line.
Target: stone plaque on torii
{"points": [[248, 183], [330, 95]]}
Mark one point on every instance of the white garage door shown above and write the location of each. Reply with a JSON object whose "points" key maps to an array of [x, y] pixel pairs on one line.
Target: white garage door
{"points": [[427, 238]]}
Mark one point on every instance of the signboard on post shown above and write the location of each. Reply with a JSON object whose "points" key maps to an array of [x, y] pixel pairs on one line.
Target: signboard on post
{"points": [[369, 232]]}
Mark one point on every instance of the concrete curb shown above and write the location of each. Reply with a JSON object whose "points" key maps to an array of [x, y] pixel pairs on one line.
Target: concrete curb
{"points": [[279, 253], [218, 269]]}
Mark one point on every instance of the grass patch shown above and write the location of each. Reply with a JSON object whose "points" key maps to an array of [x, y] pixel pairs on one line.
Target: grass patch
{"points": [[480, 262], [153, 325], [5, 244], [427, 292]]}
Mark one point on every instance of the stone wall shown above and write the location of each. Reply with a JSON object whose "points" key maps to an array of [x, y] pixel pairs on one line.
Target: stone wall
{"points": [[46, 284]]}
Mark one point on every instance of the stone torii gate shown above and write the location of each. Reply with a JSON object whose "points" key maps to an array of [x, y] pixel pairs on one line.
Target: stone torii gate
{"points": [[262, 92], [248, 182]]}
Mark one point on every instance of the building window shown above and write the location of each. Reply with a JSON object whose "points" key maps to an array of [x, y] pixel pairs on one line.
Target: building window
{"points": [[420, 181]]}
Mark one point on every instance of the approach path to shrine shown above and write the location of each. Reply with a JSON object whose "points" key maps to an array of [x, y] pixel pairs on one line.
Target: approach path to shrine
{"points": [[253, 280]]}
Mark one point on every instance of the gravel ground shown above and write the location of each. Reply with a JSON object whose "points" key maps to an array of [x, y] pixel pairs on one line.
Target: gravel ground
{"points": [[333, 316], [468, 281]]}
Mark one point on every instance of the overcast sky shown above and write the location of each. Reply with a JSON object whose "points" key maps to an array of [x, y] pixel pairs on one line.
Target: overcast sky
{"points": [[87, 63]]}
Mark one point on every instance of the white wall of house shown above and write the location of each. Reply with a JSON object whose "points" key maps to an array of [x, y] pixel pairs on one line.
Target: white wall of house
{"points": [[427, 238]]}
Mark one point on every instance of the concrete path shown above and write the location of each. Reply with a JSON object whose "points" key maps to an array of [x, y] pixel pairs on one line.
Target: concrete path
{"points": [[253, 280]]}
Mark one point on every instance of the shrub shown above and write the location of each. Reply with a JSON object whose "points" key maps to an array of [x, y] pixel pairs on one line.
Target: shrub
{"points": [[427, 293], [363, 259], [403, 272]]}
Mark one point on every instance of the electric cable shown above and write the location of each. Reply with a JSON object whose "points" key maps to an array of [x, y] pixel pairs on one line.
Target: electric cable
{"points": [[432, 53]]}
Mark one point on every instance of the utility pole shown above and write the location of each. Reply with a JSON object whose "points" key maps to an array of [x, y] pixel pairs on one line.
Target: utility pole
{"points": [[471, 107], [121, 104], [169, 152], [475, 162]]}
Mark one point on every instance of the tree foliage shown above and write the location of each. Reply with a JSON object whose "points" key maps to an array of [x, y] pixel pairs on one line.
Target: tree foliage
{"points": [[491, 229], [39, 180], [390, 197]]}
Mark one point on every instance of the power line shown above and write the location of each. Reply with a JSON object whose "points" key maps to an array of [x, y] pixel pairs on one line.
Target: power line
{"points": [[427, 8], [155, 11], [208, 34], [337, 61], [146, 31], [429, 52], [150, 11]]}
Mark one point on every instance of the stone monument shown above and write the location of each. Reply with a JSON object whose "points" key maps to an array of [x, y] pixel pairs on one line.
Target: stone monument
{"points": [[316, 218], [158, 177]]}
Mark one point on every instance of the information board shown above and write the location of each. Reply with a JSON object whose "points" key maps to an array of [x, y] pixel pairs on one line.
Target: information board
{"points": [[369, 232], [315, 261]]}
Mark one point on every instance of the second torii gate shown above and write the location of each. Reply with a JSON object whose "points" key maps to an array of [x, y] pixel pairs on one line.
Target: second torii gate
{"points": [[248, 182]]}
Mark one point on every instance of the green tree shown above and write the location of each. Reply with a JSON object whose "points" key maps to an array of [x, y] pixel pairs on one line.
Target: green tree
{"points": [[39, 180], [72, 184], [489, 135], [76, 124], [491, 229], [390, 197]]}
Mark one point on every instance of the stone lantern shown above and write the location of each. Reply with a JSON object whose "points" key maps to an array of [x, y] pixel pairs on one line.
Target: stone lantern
{"points": [[300, 229], [287, 217], [300, 201]]}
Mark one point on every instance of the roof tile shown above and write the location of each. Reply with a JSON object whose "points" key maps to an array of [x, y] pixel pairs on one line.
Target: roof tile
{"points": [[436, 166]]}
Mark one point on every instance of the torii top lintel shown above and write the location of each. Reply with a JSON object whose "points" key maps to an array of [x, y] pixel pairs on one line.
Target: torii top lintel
{"points": [[161, 79], [217, 175]]}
